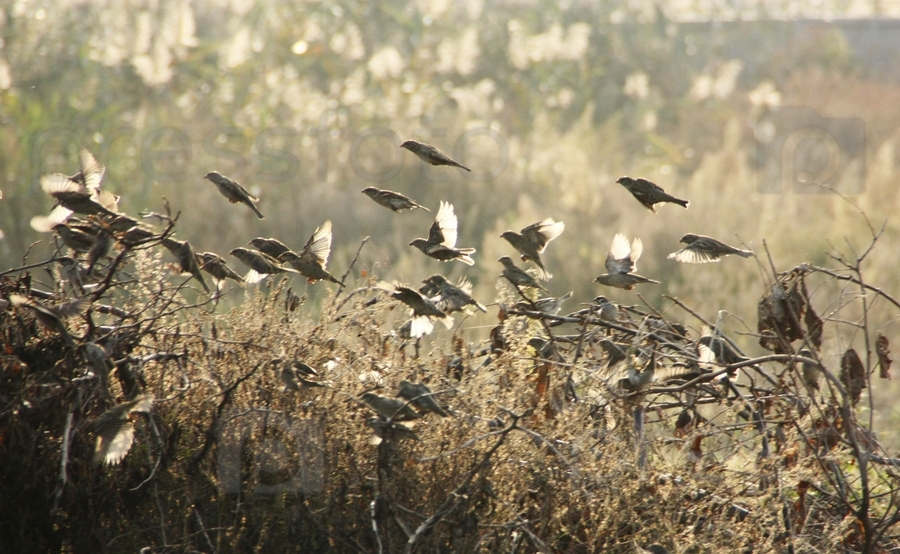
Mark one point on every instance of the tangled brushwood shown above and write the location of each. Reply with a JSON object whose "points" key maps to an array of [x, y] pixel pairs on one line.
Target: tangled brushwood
{"points": [[136, 412]]}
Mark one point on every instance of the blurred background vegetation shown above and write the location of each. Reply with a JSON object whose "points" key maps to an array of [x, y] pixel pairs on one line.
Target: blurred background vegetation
{"points": [[549, 103]]}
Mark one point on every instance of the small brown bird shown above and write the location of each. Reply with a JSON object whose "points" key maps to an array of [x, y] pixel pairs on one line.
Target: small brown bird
{"points": [[75, 238], [421, 397], [216, 266], [52, 317], [312, 260], [390, 408], [547, 305], [45, 223], [448, 297], [606, 309], [441, 242], [392, 200], [136, 236], [234, 192], [423, 310], [533, 240], [620, 262], [702, 249], [293, 374], [102, 245], [115, 432], [272, 247], [187, 259], [648, 193], [810, 372], [261, 265], [74, 196], [431, 155], [391, 430], [518, 276], [100, 363]]}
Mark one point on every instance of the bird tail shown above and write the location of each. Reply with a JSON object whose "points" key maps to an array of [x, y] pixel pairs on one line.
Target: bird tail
{"points": [[256, 210], [543, 274], [465, 255], [744, 253], [680, 202]]}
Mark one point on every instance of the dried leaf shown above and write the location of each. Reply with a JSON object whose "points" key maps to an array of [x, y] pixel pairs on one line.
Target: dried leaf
{"points": [[853, 374], [883, 350]]}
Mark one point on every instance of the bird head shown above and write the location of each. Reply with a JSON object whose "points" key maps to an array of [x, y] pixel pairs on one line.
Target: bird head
{"points": [[421, 244], [213, 176], [369, 191], [625, 181], [410, 145], [509, 235], [688, 238]]}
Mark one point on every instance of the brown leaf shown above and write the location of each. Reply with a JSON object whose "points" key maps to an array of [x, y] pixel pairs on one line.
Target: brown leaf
{"points": [[883, 349], [853, 374], [696, 450]]}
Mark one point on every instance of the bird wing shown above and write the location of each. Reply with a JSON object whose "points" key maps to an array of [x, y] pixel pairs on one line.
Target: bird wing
{"points": [[113, 442], [691, 255], [539, 234], [318, 247], [74, 307], [464, 285], [444, 229], [637, 248], [619, 258], [92, 171], [649, 186], [57, 182]]}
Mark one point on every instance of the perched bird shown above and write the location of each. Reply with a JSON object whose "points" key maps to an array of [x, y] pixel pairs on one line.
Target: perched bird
{"points": [[702, 249], [216, 266], [431, 155], [548, 305], [718, 350], [421, 397], [614, 350], [620, 262], [448, 297], [75, 238], [234, 192], [52, 317], [100, 363], [136, 236], [293, 374], [312, 260], [648, 193], [187, 260], [423, 310], [517, 276], [606, 309], [272, 247], [120, 223], [102, 245], [261, 265], [441, 242], [810, 372], [73, 272], [392, 200], [390, 408], [114, 432], [533, 240]]}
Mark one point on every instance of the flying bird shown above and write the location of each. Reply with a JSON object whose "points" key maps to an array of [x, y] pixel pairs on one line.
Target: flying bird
{"points": [[533, 240], [424, 311], [187, 259], [441, 241], [701, 249], [517, 276], [312, 260], [261, 265], [234, 192], [648, 193], [114, 432], [549, 305], [53, 317], [621, 262], [74, 237], [392, 200], [431, 155], [448, 297], [272, 247], [216, 266]]}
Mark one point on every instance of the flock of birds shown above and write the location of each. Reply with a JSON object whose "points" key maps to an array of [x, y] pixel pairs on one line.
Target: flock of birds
{"points": [[86, 219]]}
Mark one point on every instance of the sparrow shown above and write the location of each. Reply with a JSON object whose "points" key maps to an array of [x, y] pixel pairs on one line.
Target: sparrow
{"points": [[448, 297], [423, 310], [74, 238], [640, 380], [702, 249], [187, 260], [73, 195], [614, 350], [421, 397], [100, 363], [648, 193], [136, 236], [234, 192], [390, 408], [606, 309], [392, 200], [810, 372], [312, 260], [620, 262], [52, 317], [431, 155], [272, 247], [216, 266], [441, 242], [45, 223], [114, 432], [517, 276], [102, 245], [293, 374], [533, 240], [547, 305], [261, 265]]}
